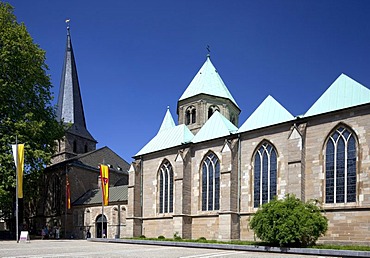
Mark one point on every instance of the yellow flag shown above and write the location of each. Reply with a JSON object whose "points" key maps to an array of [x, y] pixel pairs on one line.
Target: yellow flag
{"points": [[104, 175], [19, 163], [68, 193]]}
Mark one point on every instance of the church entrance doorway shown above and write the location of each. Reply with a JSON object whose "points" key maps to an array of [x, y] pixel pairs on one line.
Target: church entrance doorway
{"points": [[101, 226]]}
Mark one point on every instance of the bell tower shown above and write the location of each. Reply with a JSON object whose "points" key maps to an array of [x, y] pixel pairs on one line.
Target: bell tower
{"points": [[206, 94]]}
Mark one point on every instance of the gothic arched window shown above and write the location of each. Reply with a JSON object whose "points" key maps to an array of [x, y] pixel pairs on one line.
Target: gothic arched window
{"points": [[340, 167], [210, 183], [265, 174], [165, 188]]}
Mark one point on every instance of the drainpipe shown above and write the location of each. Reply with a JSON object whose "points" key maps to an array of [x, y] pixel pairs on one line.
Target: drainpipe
{"points": [[119, 222], [141, 194], [239, 173]]}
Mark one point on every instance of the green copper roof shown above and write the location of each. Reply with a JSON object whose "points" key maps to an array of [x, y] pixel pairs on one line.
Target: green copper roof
{"points": [[207, 81], [167, 138], [217, 126], [167, 121], [344, 92], [269, 112], [169, 135]]}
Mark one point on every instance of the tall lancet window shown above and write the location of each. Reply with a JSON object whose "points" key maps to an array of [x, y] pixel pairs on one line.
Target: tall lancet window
{"points": [[165, 188], [340, 167], [265, 174], [210, 183]]}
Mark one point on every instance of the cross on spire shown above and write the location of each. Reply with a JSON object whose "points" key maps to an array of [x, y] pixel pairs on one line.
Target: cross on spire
{"points": [[209, 51]]}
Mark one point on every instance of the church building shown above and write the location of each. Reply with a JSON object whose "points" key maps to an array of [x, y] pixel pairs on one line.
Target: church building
{"points": [[206, 177], [72, 199]]}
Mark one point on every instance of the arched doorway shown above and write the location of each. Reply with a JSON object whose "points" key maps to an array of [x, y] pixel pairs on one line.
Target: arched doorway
{"points": [[98, 226]]}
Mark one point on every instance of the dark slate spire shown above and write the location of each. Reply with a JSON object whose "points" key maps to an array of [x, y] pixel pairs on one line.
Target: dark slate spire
{"points": [[70, 108]]}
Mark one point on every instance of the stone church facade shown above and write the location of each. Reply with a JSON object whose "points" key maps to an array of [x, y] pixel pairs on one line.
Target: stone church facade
{"points": [[205, 177]]}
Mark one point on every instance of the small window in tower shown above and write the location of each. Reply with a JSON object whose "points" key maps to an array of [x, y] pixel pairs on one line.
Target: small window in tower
{"points": [[187, 117], [212, 109], [85, 148], [232, 119], [193, 116], [74, 147], [190, 115]]}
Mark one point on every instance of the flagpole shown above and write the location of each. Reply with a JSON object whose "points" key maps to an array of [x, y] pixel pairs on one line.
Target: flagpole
{"points": [[66, 206], [16, 188], [102, 216], [102, 199]]}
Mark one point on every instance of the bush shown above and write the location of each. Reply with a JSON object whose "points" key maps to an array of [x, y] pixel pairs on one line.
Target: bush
{"points": [[142, 236], [289, 222], [201, 239], [161, 237], [176, 236]]}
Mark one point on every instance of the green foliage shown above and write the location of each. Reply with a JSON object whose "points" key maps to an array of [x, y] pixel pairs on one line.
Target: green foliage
{"points": [[202, 239], [161, 237], [176, 236], [289, 222], [26, 110]]}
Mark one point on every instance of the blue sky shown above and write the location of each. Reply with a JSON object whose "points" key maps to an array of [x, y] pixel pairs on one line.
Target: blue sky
{"points": [[135, 58]]}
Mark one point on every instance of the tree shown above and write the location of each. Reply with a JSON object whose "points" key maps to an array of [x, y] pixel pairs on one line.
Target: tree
{"points": [[289, 222], [25, 111]]}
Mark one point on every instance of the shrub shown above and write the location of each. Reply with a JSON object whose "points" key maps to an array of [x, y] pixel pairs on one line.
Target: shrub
{"points": [[289, 222], [142, 236], [176, 236], [201, 239], [161, 237]]}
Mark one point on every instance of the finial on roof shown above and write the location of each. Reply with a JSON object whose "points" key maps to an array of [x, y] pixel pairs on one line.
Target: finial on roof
{"points": [[209, 51], [168, 107], [67, 21]]}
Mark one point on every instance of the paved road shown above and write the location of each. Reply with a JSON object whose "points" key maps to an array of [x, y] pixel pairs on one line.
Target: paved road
{"points": [[83, 248]]}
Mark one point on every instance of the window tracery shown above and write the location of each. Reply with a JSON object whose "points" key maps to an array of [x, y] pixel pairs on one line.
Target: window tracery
{"points": [[210, 183], [340, 167], [265, 174]]}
